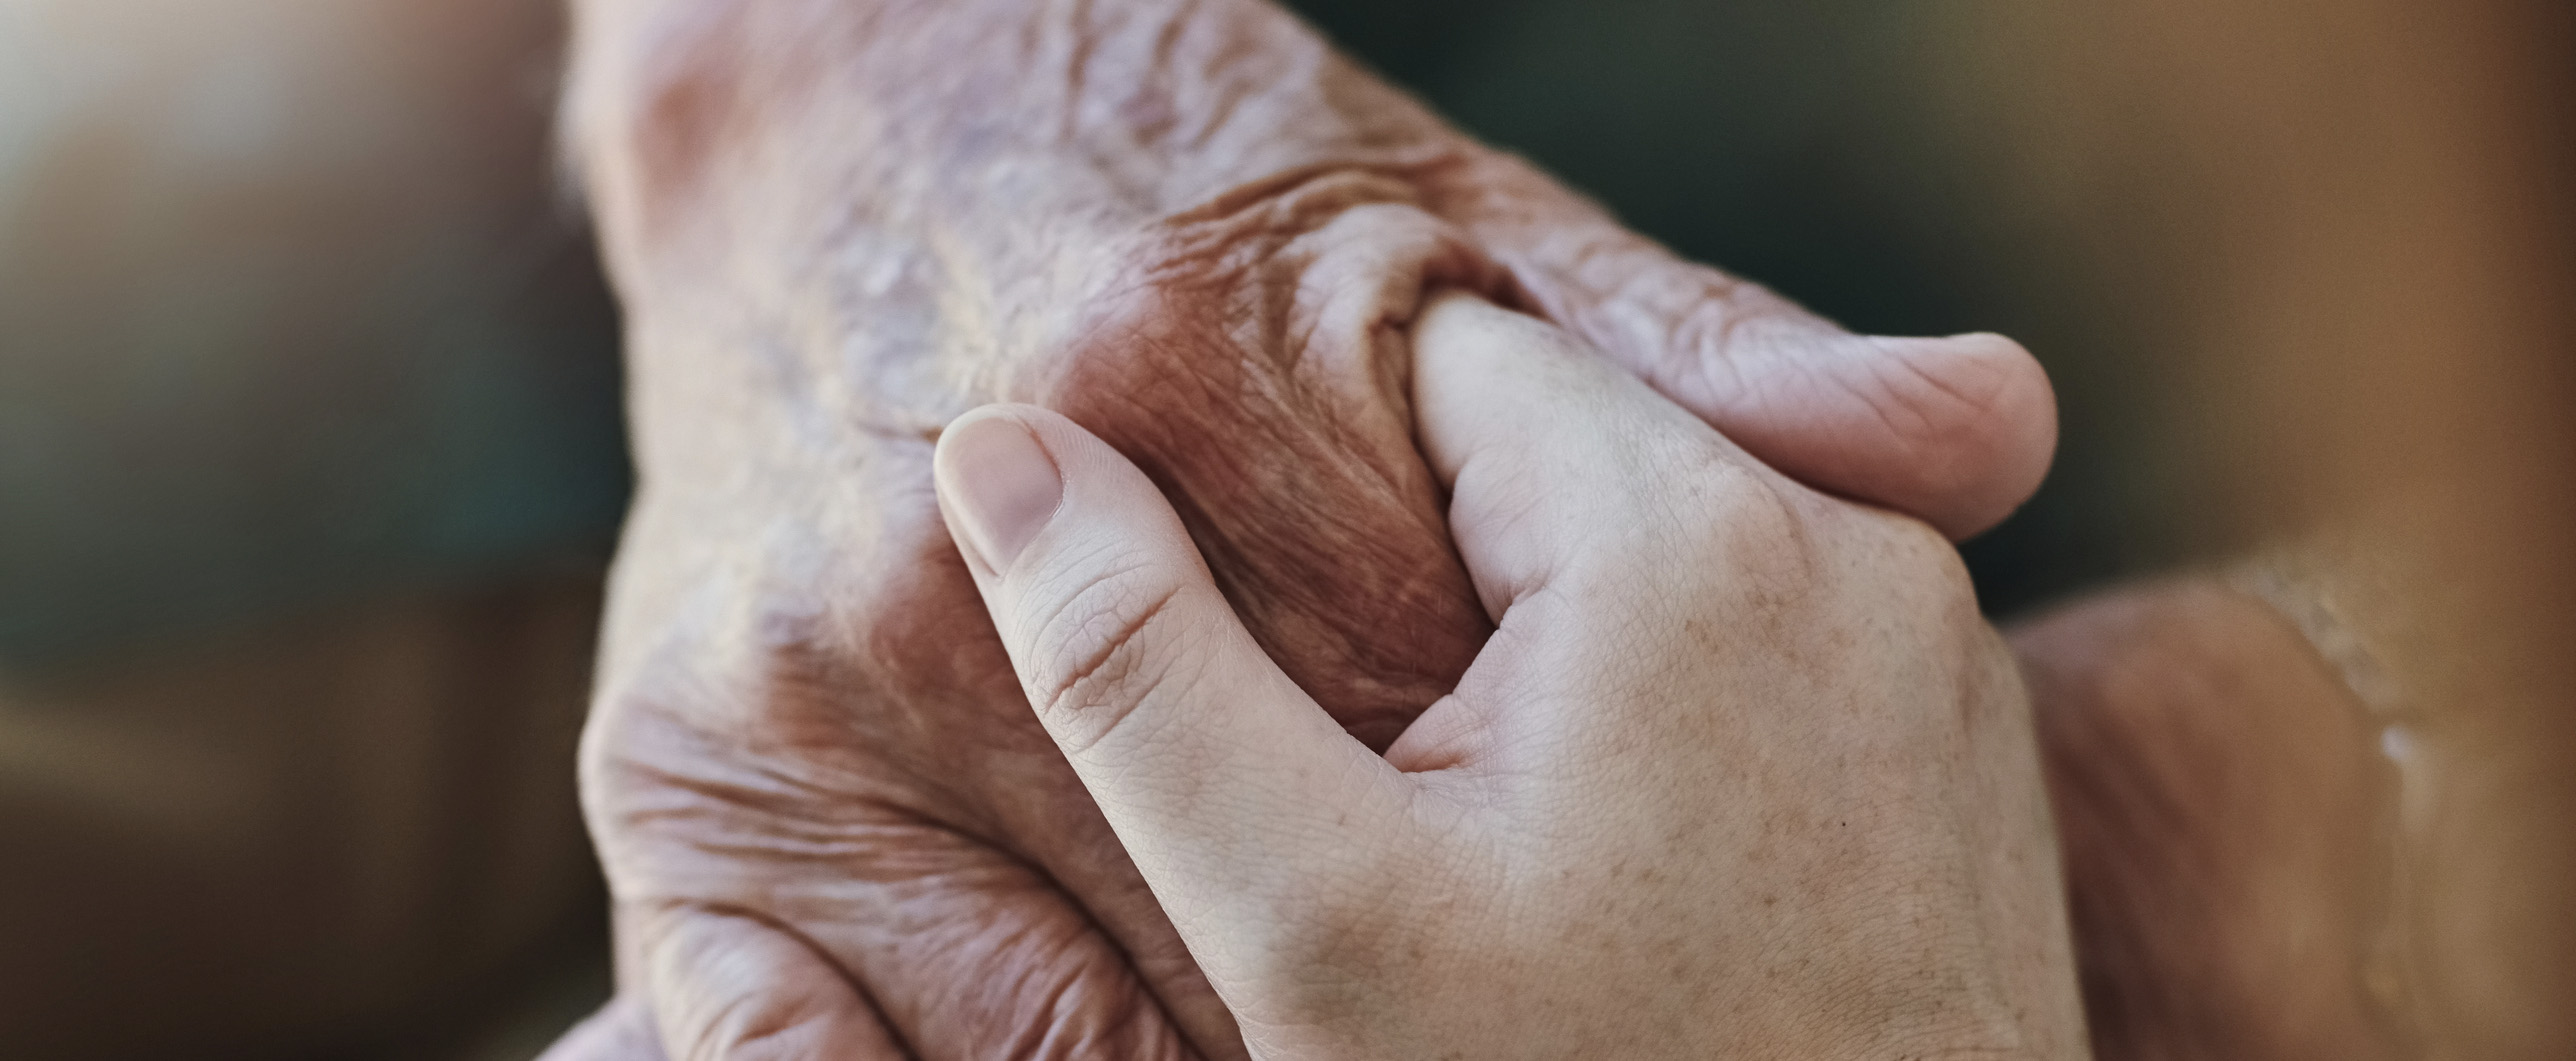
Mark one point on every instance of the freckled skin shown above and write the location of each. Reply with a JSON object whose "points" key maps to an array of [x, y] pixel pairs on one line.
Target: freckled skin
{"points": [[828, 822], [1824, 837]]}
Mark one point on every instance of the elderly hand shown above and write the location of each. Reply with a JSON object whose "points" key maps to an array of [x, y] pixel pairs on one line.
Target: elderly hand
{"points": [[1741, 773], [828, 822]]}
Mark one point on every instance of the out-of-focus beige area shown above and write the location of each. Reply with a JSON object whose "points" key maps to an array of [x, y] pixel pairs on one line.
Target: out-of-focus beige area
{"points": [[308, 438], [309, 462], [2345, 229], [347, 833]]}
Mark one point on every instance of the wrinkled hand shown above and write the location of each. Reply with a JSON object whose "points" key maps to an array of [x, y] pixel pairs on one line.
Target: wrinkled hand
{"points": [[1741, 773], [829, 825]]}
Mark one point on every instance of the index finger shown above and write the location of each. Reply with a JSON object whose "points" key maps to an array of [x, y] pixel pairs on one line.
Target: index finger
{"points": [[1557, 463]]}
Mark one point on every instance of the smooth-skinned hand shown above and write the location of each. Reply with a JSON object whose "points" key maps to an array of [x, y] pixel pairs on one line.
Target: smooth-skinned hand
{"points": [[828, 823], [1742, 772]]}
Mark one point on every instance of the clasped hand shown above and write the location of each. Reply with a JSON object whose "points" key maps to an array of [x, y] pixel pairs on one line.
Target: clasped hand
{"points": [[1740, 773]]}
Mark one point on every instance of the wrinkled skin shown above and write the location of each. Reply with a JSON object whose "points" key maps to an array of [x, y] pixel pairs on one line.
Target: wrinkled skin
{"points": [[2221, 807], [830, 826], [1741, 773]]}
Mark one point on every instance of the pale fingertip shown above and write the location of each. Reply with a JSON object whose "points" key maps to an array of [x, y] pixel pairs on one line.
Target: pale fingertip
{"points": [[998, 486]]}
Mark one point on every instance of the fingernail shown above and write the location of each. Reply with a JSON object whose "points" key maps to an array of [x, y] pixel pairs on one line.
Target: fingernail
{"points": [[1002, 484]]}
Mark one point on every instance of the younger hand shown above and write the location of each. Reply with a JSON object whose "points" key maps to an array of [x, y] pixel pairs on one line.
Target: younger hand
{"points": [[1740, 773]]}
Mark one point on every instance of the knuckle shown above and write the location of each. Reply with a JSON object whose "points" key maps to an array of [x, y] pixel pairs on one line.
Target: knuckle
{"points": [[732, 983], [605, 737], [1257, 288], [1903, 568], [1772, 539], [1752, 523], [1099, 651], [1703, 524], [1263, 320], [1929, 562]]}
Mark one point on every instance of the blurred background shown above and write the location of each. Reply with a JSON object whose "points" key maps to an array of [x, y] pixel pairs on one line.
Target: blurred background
{"points": [[310, 456]]}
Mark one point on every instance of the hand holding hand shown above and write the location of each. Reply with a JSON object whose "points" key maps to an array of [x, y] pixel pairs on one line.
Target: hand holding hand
{"points": [[827, 819], [1741, 772]]}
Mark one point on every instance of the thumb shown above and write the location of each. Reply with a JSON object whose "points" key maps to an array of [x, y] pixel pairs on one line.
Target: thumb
{"points": [[1955, 431], [1225, 782]]}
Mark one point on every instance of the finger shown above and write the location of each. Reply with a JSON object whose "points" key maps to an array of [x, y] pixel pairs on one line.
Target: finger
{"points": [[1562, 470], [755, 991], [1599, 522], [1956, 431], [983, 960], [1225, 782], [622, 1030], [820, 935], [1072, 852], [833, 890], [969, 953]]}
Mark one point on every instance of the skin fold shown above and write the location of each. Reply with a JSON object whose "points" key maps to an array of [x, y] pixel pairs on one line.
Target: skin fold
{"points": [[1741, 773], [825, 815], [835, 225], [829, 825]]}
